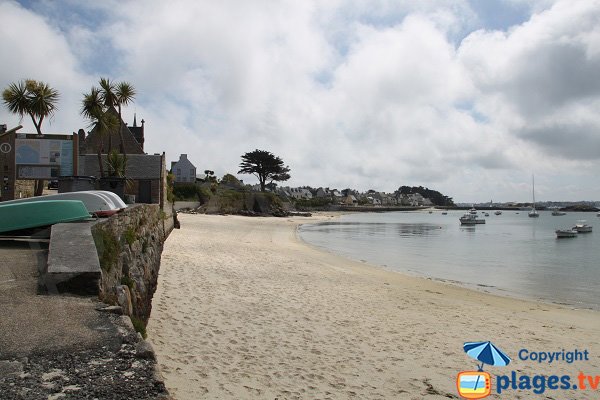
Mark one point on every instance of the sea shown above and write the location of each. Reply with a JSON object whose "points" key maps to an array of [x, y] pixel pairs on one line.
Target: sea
{"points": [[511, 254]]}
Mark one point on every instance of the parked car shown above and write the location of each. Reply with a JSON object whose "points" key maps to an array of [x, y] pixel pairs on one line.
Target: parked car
{"points": [[53, 184]]}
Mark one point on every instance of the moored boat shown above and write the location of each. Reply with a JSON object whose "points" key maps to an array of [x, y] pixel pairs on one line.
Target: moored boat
{"points": [[498, 212], [533, 213], [34, 214], [558, 213], [565, 233], [471, 219], [582, 227]]}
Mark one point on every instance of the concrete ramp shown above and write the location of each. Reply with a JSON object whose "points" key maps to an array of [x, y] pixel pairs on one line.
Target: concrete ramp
{"points": [[73, 265]]}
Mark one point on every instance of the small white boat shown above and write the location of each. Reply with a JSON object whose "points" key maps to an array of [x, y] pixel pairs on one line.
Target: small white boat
{"points": [[565, 233], [558, 212], [498, 212], [471, 219], [533, 213], [486, 214], [473, 210], [582, 227], [117, 201]]}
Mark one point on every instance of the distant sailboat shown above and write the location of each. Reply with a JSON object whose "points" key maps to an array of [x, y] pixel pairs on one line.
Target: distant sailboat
{"points": [[533, 213]]}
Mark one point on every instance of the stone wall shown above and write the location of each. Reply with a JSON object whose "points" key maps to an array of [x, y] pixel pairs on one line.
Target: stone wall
{"points": [[129, 246]]}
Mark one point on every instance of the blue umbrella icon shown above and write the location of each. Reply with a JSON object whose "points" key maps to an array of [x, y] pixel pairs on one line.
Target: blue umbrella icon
{"points": [[487, 353]]}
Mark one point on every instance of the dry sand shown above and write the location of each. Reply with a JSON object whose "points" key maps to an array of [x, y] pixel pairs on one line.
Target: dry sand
{"points": [[246, 310]]}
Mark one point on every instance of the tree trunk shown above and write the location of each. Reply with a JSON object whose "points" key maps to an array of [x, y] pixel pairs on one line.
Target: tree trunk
{"points": [[39, 187], [39, 183], [262, 184], [121, 146], [100, 165]]}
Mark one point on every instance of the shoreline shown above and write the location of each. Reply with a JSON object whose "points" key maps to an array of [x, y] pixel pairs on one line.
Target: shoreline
{"points": [[246, 309], [481, 288]]}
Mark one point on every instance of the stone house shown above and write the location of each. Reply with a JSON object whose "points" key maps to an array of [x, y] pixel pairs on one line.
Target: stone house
{"points": [[300, 193], [144, 172], [183, 170]]}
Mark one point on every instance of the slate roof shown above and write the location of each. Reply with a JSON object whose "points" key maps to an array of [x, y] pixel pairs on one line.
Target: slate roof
{"points": [[131, 145]]}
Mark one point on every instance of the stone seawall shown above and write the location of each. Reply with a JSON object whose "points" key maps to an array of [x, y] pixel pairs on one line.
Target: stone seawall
{"points": [[129, 246]]}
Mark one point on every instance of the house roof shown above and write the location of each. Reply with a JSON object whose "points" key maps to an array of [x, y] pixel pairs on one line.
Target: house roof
{"points": [[131, 145]]}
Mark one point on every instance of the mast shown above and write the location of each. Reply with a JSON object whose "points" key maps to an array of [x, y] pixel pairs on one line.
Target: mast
{"points": [[533, 189]]}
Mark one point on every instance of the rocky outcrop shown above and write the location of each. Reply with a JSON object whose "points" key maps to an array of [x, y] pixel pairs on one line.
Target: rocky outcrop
{"points": [[227, 201], [129, 246]]}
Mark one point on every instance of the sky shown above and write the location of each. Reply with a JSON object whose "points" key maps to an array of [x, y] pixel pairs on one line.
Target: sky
{"points": [[470, 98]]}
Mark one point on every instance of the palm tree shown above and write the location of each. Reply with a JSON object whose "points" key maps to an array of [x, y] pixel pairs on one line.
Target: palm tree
{"points": [[36, 99], [125, 93], [117, 95], [93, 108]]}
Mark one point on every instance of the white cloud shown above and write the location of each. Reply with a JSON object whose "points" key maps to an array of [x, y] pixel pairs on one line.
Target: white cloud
{"points": [[349, 93]]}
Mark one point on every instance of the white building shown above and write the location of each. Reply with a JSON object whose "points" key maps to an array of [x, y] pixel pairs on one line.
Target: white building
{"points": [[183, 170]]}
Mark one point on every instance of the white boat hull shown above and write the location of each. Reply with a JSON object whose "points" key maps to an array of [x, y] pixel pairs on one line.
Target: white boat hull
{"points": [[96, 202], [566, 233]]}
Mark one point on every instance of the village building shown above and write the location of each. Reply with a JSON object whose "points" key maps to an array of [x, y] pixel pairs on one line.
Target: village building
{"points": [[143, 172], [183, 170]]}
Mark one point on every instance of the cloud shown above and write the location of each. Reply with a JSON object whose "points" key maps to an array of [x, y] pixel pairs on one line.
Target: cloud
{"points": [[349, 93]]}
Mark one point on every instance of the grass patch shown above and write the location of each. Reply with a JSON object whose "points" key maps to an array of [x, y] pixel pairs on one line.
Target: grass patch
{"points": [[129, 235], [107, 247], [127, 281], [139, 326]]}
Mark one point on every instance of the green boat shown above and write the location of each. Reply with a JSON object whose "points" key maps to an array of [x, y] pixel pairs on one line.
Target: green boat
{"points": [[36, 214]]}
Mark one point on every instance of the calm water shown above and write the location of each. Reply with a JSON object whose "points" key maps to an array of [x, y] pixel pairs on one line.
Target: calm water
{"points": [[512, 253]]}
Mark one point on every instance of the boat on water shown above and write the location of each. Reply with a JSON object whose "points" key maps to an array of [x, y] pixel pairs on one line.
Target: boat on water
{"points": [[444, 212], [498, 212], [473, 210], [565, 233], [98, 203], [582, 227], [557, 212], [35, 214], [471, 219], [486, 214], [533, 213]]}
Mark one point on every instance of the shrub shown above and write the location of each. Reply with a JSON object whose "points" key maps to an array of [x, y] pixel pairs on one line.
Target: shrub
{"points": [[186, 191], [139, 326], [107, 247], [127, 281], [129, 236]]}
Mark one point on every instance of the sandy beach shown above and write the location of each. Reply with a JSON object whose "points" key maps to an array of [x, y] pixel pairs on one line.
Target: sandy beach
{"points": [[246, 310]]}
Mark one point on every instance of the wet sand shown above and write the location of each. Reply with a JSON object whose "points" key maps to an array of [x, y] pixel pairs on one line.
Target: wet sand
{"points": [[246, 310]]}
